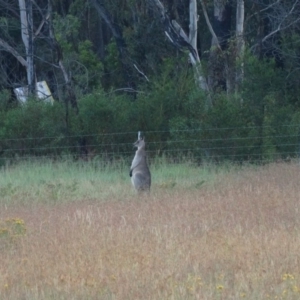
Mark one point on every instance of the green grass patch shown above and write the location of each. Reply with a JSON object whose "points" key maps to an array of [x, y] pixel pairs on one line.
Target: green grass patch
{"points": [[54, 182]]}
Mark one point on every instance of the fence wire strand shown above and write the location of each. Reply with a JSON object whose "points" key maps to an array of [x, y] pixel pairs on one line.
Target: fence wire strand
{"points": [[210, 143], [150, 132]]}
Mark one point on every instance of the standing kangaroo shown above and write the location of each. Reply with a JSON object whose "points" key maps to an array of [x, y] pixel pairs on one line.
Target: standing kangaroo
{"points": [[139, 171]]}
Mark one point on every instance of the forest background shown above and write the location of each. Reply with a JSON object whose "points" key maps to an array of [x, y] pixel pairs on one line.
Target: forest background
{"points": [[214, 80]]}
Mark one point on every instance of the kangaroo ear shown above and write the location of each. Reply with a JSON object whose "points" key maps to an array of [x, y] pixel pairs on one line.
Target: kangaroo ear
{"points": [[141, 136]]}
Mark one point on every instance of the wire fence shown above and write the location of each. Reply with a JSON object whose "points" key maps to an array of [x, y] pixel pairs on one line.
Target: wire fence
{"points": [[239, 144]]}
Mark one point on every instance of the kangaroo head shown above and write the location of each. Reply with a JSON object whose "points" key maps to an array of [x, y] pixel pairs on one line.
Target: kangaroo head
{"points": [[140, 143]]}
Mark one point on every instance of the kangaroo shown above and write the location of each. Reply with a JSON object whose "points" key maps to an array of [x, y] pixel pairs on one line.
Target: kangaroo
{"points": [[139, 171]]}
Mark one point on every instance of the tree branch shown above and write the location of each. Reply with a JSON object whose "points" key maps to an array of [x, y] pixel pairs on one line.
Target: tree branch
{"points": [[12, 51], [280, 27], [210, 26], [44, 19], [116, 31], [143, 74]]}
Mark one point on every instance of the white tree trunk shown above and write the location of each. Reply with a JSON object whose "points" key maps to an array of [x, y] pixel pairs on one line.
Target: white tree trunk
{"points": [[193, 25], [195, 60], [27, 37], [24, 25], [240, 43]]}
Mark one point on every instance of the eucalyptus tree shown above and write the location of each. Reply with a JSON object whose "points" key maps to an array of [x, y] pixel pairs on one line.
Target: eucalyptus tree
{"points": [[222, 67], [26, 19], [183, 41]]}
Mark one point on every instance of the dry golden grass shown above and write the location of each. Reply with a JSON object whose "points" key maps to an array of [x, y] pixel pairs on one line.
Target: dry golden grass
{"points": [[236, 239]]}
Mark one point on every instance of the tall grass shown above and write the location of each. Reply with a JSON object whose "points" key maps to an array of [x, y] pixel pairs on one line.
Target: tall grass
{"points": [[203, 233]]}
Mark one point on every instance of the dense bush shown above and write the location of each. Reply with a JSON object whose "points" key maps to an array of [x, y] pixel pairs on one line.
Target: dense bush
{"points": [[259, 123]]}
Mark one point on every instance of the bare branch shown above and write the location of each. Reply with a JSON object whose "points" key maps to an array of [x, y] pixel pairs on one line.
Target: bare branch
{"points": [[44, 19], [160, 8], [284, 16], [143, 74], [115, 29], [279, 28], [12, 51], [264, 9], [180, 31], [175, 33], [129, 90], [216, 40], [180, 40]]}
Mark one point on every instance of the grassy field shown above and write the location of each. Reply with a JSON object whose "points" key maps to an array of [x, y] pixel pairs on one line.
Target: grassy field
{"points": [[79, 231]]}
